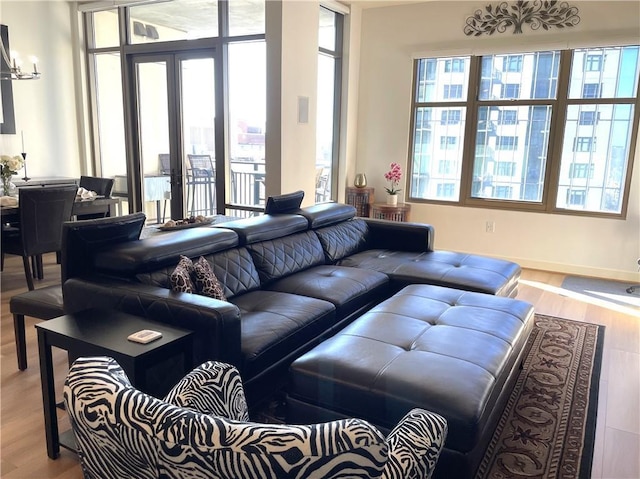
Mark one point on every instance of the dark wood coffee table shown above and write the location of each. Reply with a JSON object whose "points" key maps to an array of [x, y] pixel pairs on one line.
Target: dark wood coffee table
{"points": [[103, 333]]}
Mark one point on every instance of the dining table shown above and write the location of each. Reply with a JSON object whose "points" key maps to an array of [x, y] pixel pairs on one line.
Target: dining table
{"points": [[81, 206]]}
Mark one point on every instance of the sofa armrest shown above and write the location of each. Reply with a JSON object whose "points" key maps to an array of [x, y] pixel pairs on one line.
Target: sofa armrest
{"points": [[415, 445], [216, 323], [212, 388], [399, 236]]}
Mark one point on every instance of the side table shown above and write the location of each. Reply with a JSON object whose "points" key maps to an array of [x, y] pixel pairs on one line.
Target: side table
{"points": [[103, 333], [383, 211], [361, 198]]}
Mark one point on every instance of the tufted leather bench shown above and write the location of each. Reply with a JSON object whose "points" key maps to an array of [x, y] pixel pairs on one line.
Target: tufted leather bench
{"points": [[452, 352]]}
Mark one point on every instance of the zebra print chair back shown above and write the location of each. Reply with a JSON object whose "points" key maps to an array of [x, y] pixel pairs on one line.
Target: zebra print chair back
{"points": [[201, 430]]}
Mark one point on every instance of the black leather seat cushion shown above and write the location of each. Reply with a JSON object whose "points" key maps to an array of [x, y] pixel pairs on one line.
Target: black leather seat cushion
{"points": [[274, 325], [441, 349], [348, 289], [481, 274]]}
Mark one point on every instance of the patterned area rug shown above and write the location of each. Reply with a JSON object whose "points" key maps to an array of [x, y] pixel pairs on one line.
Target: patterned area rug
{"points": [[547, 429]]}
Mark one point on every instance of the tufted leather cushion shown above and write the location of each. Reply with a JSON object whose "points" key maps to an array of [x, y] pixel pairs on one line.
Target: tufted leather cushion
{"points": [[348, 289], [449, 351], [284, 256], [234, 269], [342, 239], [275, 325], [470, 272], [206, 280]]}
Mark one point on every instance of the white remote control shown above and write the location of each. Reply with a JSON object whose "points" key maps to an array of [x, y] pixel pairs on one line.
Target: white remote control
{"points": [[145, 336]]}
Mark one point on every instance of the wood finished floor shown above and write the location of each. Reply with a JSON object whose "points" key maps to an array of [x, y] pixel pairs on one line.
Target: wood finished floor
{"points": [[617, 444]]}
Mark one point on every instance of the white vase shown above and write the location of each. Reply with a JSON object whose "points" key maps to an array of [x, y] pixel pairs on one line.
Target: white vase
{"points": [[392, 200]]}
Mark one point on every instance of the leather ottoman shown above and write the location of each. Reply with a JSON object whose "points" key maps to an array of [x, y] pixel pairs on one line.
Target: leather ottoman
{"points": [[452, 352]]}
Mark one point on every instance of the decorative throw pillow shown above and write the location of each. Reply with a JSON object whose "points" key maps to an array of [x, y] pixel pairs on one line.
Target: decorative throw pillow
{"points": [[206, 281], [181, 277]]}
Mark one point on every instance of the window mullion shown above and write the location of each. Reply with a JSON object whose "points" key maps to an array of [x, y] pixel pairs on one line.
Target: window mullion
{"points": [[556, 135], [469, 151]]}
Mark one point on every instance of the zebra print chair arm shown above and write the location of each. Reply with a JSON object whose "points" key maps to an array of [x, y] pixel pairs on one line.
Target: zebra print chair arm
{"points": [[212, 388], [415, 445]]}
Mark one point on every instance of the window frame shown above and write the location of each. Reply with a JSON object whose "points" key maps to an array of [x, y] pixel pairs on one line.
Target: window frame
{"points": [[336, 55], [551, 178], [219, 44]]}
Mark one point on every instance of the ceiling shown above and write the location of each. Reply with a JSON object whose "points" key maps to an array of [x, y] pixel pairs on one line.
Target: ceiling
{"points": [[196, 17]]}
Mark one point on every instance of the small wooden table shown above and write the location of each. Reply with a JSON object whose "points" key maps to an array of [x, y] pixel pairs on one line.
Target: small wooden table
{"points": [[103, 333], [383, 211], [361, 198]]}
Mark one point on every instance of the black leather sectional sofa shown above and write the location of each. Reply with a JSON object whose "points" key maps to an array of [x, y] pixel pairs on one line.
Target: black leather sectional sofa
{"points": [[291, 281]]}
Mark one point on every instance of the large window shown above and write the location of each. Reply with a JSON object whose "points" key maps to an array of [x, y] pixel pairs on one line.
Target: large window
{"points": [[206, 99], [329, 93], [547, 131]]}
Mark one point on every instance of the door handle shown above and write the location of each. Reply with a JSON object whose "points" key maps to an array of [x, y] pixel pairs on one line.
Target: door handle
{"points": [[176, 178]]}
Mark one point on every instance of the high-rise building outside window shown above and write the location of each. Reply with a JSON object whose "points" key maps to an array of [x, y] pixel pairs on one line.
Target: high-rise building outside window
{"points": [[515, 158]]}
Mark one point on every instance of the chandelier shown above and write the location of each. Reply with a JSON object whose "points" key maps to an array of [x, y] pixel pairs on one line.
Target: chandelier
{"points": [[14, 64]]}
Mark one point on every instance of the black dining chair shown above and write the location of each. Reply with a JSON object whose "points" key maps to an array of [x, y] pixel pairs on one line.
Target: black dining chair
{"points": [[43, 210], [103, 187]]}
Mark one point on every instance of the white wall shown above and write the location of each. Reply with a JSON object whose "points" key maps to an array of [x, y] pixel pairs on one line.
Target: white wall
{"points": [[391, 38], [292, 57], [45, 110]]}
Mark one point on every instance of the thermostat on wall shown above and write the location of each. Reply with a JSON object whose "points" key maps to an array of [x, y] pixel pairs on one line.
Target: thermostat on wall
{"points": [[144, 336]]}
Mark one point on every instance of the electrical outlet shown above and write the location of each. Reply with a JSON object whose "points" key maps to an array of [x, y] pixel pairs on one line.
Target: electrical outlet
{"points": [[490, 227]]}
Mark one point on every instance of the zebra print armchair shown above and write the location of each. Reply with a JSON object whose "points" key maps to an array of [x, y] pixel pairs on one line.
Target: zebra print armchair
{"points": [[202, 430]]}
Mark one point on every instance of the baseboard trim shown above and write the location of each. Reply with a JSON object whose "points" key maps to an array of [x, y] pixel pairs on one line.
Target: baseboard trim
{"points": [[619, 275]]}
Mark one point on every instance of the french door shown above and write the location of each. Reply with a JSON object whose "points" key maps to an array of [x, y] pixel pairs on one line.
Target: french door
{"points": [[173, 113]]}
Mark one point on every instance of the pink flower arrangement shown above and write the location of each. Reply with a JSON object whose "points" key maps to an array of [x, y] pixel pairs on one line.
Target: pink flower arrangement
{"points": [[394, 175]]}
